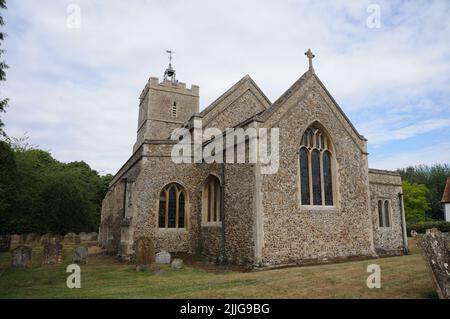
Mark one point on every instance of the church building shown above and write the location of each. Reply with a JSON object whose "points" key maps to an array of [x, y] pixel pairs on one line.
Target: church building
{"points": [[322, 204]]}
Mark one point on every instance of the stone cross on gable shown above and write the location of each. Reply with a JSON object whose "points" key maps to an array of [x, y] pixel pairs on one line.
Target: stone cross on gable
{"points": [[310, 56]]}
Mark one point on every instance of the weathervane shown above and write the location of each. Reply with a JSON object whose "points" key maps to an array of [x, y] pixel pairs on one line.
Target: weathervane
{"points": [[310, 56], [170, 71]]}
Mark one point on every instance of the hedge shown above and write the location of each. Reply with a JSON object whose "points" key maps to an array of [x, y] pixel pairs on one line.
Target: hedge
{"points": [[421, 228]]}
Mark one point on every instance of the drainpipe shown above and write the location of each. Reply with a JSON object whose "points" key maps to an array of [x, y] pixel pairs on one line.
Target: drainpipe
{"points": [[403, 223], [222, 212]]}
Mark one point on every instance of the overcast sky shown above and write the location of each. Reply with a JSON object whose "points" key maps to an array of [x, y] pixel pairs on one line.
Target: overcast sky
{"points": [[75, 91]]}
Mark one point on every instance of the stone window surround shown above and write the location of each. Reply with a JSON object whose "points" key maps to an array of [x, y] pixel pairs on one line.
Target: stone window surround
{"points": [[334, 168], [186, 210], [204, 199], [383, 200]]}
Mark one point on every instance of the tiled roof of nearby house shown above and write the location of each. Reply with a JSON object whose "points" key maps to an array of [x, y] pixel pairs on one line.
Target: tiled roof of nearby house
{"points": [[446, 195]]}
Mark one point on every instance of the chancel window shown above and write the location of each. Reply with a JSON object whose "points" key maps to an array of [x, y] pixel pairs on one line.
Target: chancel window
{"points": [[211, 202], [316, 169], [172, 203], [384, 213]]}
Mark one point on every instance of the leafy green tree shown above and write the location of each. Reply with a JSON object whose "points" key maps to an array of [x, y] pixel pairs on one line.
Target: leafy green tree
{"points": [[416, 202], [434, 178], [40, 194], [3, 67]]}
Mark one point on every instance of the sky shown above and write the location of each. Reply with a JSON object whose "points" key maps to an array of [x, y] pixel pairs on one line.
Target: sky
{"points": [[77, 67]]}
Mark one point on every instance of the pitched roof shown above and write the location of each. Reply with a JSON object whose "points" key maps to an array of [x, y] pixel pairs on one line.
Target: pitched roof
{"points": [[231, 90], [297, 84], [446, 195]]}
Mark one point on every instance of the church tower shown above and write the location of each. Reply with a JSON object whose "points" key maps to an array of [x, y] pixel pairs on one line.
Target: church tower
{"points": [[164, 106]]}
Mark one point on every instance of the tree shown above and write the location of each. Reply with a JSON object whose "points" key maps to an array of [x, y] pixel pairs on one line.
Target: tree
{"points": [[416, 203], [434, 178], [3, 67]]}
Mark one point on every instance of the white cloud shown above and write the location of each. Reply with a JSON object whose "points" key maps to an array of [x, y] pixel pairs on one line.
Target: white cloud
{"points": [[75, 90], [438, 153]]}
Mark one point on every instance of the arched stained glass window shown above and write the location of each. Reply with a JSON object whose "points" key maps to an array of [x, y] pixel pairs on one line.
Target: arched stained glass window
{"points": [[327, 178], [304, 177], [172, 204], [316, 168], [316, 177]]}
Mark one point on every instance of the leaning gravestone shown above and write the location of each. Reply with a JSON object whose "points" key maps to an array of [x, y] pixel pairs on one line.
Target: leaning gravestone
{"points": [[5, 242], [436, 252], [80, 255], [52, 253], [163, 257], [21, 256], [144, 252]]}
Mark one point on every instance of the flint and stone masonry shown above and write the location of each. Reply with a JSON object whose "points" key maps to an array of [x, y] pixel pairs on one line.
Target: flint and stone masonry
{"points": [[260, 219]]}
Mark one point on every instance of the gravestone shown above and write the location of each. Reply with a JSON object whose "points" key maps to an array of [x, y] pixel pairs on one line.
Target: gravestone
{"points": [[144, 252], [76, 239], [93, 236], [21, 256], [80, 255], [52, 253], [70, 238], [177, 263], [414, 234], [436, 253], [163, 257], [57, 239], [32, 239], [45, 239], [16, 239], [5, 242]]}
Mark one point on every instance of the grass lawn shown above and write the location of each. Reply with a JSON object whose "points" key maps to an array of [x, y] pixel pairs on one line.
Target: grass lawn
{"points": [[103, 277]]}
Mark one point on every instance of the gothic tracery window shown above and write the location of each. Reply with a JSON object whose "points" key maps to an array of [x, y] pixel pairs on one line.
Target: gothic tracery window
{"points": [[172, 203], [316, 169]]}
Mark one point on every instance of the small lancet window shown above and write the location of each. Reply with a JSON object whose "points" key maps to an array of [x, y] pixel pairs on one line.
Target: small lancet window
{"points": [[174, 109], [384, 213]]}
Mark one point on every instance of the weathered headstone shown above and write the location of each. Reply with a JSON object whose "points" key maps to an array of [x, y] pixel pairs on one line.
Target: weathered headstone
{"points": [[52, 253], [77, 239], [414, 234], [45, 239], [16, 239], [69, 238], [435, 250], [144, 252], [58, 239], [80, 255], [177, 263], [163, 257], [93, 236], [5, 242], [32, 239], [21, 256]]}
